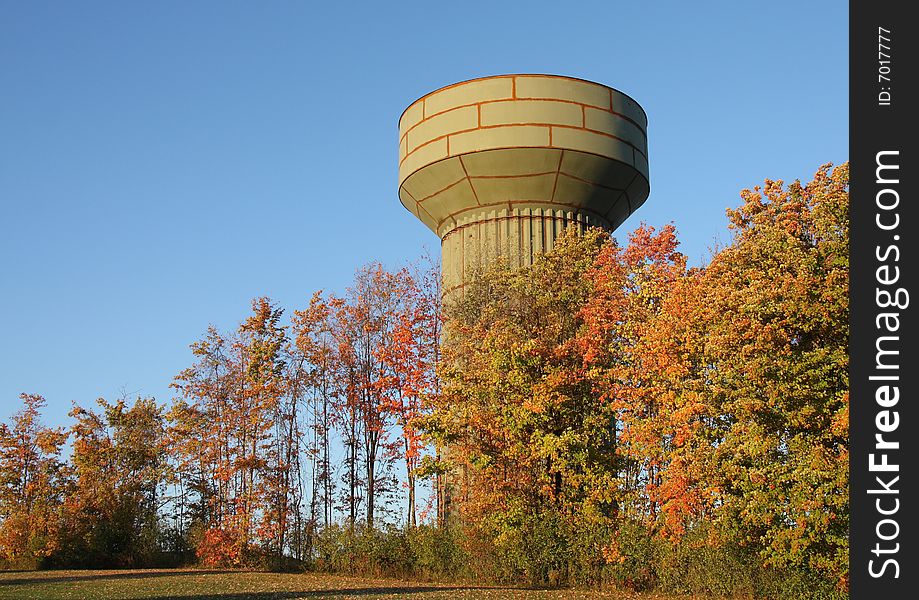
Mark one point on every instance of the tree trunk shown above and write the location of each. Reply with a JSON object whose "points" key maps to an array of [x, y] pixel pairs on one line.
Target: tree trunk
{"points": [[410, 478]]}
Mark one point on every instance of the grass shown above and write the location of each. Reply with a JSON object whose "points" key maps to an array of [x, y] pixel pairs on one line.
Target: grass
{"points": [[162, 584]]}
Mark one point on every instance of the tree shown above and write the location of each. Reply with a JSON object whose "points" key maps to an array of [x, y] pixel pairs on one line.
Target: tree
{"points": [[273, 439], [516, 410], [629, 287], [315, 349], [732, 387], [202, 441], [236, 435], [33, 482], [410, 356], [773, 309], [366, 323], [112, 514]]}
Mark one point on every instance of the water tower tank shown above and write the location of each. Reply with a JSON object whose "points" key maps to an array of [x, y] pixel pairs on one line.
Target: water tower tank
{"points": [[501, 166]]}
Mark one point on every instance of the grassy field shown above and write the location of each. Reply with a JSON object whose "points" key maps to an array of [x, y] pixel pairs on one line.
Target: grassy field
{"points": [[161, 584]]}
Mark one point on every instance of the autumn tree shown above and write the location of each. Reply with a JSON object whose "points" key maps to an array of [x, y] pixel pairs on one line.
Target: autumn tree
{"points": [[202, 441], [235, 435], [271, 413], [628, 287], [410, 356], [33, 481], [315, 349], [366, 324], [517, 411], [756, 370], [730, 380], [113, 512]]}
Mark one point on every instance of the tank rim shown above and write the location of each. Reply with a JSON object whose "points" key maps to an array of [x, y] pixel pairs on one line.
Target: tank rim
{"points": [[504, 75]]}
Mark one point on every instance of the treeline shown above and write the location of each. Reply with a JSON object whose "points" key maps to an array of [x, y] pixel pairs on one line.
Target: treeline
{"points": [[606, 417], [277, 431]]}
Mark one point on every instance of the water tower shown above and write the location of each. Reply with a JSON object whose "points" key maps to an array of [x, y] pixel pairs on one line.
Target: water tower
{"points": [[501, 166]]}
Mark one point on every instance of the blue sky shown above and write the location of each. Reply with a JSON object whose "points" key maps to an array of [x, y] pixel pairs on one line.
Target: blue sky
{"points": [[162, 163]]}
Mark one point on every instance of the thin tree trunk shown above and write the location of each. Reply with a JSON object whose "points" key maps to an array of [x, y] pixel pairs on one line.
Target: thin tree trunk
{"points": [[410, 478], [352, 467]]}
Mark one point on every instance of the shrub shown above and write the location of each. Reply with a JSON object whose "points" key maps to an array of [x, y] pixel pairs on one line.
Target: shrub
{"points": [[551, 549], [364, 551], [436, 553], [632, 556], [693, 565], [219, 548]]}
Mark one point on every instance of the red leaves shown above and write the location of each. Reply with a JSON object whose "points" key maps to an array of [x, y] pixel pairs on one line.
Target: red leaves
{"points": [[219, 548]]}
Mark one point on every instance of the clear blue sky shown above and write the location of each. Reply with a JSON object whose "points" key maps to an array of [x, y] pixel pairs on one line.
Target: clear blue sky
{"points": [[161, 163]]}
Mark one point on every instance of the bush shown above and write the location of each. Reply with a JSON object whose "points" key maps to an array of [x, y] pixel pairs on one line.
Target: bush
{"points": [[632, 555], [436, 553], [424, 552], [551, 549], [694, 566], [219, 548], [364, 551], [545, 549], [795, 585], [587, 536]]}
